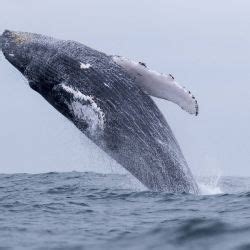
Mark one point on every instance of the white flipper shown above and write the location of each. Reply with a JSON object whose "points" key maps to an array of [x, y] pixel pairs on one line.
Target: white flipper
{"points": [[159, 85]]}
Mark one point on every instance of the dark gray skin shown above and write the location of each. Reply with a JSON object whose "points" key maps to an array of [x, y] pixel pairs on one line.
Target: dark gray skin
{"points": [[120, 118]]}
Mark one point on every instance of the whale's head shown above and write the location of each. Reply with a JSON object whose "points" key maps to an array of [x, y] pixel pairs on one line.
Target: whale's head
{"points": [[23, 48], [29, 53], [16, 48]]}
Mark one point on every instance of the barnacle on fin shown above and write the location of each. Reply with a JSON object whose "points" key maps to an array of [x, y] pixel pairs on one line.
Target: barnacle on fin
{"points": [[143, 64]]}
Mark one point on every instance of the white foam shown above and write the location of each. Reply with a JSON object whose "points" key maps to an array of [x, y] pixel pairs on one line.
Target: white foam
{"points": [[209, 190], [209, 185], [208, 176]]}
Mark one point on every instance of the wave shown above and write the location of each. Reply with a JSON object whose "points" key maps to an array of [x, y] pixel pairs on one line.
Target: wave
{"points": [[103, 211]]}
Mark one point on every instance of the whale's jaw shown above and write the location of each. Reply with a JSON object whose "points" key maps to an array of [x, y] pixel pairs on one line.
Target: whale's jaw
{"points": [[103, 102]]}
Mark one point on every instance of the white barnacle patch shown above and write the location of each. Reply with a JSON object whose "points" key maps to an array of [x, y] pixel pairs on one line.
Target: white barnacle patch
{"points": [[84, 66], [93, 117], [89, 112]]}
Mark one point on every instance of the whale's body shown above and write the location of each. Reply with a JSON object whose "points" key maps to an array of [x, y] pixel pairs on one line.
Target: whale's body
{"points": [[103, 101]]}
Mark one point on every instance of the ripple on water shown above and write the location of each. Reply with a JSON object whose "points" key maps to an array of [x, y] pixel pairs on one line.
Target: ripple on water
{"points": [[102, 211]]}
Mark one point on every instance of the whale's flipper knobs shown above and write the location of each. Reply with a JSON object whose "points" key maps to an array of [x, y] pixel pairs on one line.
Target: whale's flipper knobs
{"points": [[159, 85]]}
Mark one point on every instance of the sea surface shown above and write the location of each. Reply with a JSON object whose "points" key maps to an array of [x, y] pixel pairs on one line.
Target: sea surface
{"points": [[110, 211]]}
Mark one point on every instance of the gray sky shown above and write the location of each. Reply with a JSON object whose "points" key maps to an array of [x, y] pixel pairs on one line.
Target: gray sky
{"points": [[204, 44]]}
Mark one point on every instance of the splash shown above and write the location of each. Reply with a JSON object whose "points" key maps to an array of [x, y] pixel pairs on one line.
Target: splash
{"points": [[209, 188], [209, 185], [209, 176]]}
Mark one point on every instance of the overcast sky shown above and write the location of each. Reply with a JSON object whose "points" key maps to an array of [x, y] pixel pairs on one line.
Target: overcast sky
{"points": [[204, 44]]}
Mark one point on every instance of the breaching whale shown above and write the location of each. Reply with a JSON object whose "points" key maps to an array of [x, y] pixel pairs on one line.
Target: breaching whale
{"points": [[108, 99]]}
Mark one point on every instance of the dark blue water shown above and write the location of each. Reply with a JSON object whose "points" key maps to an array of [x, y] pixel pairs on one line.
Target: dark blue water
{"points": [[97, 211]]}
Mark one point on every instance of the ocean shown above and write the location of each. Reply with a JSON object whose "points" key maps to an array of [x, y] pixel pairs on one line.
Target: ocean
{"points": [[111, 211]]}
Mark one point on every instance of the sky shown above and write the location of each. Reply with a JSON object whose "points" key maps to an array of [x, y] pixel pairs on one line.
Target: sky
{"points": [[204, 44]]}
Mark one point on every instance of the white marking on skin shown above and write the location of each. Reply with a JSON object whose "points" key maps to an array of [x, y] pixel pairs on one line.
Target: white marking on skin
{"points": [[160, 141], [12, 55], [91, 113], [84, 66]]}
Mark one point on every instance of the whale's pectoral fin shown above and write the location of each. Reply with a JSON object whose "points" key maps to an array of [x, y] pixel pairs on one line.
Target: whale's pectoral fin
{"points": [[159, 85]]}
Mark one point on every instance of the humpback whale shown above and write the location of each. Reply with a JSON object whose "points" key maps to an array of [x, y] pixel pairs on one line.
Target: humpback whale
{"points": [[108, 98]]}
